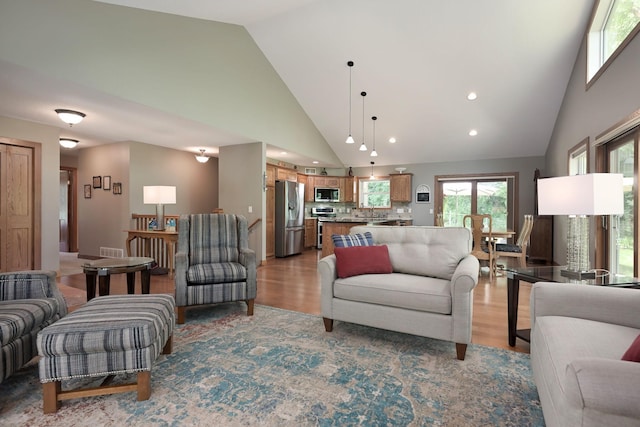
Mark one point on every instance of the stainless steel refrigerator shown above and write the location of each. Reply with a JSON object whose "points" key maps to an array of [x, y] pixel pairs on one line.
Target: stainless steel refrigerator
{"points": [[289, 219]]}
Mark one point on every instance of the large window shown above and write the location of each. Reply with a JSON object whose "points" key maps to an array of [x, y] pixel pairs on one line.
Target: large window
{"points": [[375, 193], [614, 24], [458, 196]]}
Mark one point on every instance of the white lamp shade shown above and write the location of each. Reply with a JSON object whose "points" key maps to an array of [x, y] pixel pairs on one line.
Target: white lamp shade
{"points": [[68, 142], [158, 194], [589, 194]]}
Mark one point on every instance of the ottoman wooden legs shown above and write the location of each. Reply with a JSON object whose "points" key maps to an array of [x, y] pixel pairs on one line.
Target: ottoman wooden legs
{"points": [[52, 391]]}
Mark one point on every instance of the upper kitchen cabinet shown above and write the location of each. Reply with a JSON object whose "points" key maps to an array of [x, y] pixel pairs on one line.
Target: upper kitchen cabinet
{"points": [[283, 174], [401, 187], [347, 189], [327, 181], [271, 175]]}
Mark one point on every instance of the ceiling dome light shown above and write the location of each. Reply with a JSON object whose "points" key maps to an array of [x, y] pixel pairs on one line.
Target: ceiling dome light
{"points": [[68, 142], [471, 96], [70, 117], [202, 158], [473, 132], [392, 140]]}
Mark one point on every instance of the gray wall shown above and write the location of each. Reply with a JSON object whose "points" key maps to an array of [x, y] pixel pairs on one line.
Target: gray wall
{"points": [[588, 113]]}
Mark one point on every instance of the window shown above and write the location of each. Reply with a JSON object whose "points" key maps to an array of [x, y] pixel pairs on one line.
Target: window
{"points": [[460, 195], [375, 193], [614, 24], [579, 158]]}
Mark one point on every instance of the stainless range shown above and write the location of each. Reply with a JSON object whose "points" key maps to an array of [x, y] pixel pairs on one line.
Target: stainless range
{"points": [[323, 215]]}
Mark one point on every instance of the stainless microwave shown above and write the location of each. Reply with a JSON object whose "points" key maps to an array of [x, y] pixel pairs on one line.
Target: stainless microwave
{"points": [[327, 195]]}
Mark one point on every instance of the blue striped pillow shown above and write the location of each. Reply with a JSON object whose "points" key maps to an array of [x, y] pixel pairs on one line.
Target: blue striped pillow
{"points": [[347, 240]]}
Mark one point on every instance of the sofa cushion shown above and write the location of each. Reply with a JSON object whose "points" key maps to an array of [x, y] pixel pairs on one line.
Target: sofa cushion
{"points": [[19, 317], [223, 272], [426, 251], [356, 260], [397, 290], [347, 240], [633, 353]]}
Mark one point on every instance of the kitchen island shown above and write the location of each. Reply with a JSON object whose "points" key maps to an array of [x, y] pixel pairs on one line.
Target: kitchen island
{"points": [[343, 226]]}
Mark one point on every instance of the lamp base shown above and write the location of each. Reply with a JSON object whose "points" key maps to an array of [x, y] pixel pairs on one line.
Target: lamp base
{"points": [[578, 275]]}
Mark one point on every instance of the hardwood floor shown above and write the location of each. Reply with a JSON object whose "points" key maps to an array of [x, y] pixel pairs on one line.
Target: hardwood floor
{"points": [[293, 283]]}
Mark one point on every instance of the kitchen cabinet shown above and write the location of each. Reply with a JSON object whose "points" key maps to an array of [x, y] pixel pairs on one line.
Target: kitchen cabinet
{"points": [[310, 232], [270, 229], [309, 194], [327, 181], [401, 187], [283, 174], [271, 175], [346, 189]]}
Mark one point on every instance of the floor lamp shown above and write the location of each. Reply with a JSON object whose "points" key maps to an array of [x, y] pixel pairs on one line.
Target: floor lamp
{"points": [[580, 196], [159, 195]]}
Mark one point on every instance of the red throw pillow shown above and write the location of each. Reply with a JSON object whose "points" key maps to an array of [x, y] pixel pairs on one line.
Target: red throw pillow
{"points": [[633, 353], [356, 260]]}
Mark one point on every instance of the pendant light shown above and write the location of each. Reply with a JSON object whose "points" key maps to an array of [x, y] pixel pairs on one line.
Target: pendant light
{"points": [[350, 138], [374, 153], [362, 146], [372, 177]]}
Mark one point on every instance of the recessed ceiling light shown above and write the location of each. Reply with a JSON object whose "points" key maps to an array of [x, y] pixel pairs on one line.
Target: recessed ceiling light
{"points": [[315, 162], [471, 96], [284, 153], [473, 132], [392, 140]]}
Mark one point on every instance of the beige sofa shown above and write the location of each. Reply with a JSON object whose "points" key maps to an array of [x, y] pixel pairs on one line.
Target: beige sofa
{"points": [[579, 335], [429, 293]]}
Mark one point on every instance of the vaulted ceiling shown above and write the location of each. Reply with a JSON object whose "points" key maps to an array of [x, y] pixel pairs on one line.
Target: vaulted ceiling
{"points": [[416, 59]]}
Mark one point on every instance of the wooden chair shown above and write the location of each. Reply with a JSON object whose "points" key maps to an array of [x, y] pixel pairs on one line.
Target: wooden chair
{"points": [[482, 239], [439, 220], [519, 249]]}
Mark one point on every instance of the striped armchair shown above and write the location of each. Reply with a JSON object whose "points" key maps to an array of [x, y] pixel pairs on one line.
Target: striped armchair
{"points": [[214, 263], [29, 301]]}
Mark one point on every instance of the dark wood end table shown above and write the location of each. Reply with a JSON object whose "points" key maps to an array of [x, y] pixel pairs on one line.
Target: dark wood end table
{"points": [[104, 268]]}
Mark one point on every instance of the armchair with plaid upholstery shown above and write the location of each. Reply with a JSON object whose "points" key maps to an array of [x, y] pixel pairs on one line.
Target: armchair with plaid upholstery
{"points": [[213, 262]]}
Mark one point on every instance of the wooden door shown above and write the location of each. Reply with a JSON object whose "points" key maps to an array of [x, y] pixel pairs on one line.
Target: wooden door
{"points": [[17, 208]]}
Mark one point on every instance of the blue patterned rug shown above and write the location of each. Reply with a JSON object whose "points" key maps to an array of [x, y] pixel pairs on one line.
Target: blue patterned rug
{"points": [[280, 368]]}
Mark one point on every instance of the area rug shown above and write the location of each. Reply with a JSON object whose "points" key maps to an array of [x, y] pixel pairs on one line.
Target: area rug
{"points": [[280, 368]]}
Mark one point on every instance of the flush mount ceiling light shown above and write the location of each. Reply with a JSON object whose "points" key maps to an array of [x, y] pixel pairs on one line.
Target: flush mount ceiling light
{"points": [[362, 146], [473, 132], [70, 117], [202, 158], [471, 96], [392, 140], [68, 142], [374, 153], [350, 138]]}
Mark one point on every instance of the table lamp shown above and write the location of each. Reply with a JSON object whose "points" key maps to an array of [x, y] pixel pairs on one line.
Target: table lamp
{"points": [[159, 195], [579, 196]]}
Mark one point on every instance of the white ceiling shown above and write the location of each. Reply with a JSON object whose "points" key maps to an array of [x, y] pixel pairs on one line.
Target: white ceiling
{"points": [[416, 59]]}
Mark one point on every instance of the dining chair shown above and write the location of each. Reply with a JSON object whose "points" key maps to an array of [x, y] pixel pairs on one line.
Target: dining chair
{"points": [[439, 220], [482, 228], [519, 249]]}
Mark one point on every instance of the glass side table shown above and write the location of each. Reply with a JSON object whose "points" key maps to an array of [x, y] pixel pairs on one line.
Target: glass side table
{"points": [[549, 274]]}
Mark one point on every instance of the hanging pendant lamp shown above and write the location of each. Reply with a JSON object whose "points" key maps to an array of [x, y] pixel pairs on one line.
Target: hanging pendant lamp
{"points": [[372, 176], [202, 158], [374, 153], [350, 138], [362, 146]]}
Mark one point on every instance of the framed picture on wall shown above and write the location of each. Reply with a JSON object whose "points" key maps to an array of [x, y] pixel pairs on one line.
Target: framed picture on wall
{"points": [[97, 181], [117, 188], [106, 182], [87, 191]]}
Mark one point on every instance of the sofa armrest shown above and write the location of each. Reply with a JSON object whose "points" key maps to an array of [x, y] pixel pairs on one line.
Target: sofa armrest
{"points": [[247, 257], [328, 274], [465, 277], [32, 284], [617, 306], [181, 265], [604, 385]]}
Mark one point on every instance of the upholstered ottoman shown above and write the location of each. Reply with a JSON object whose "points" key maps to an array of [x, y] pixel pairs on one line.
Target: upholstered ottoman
{"points": [[109, 335]]}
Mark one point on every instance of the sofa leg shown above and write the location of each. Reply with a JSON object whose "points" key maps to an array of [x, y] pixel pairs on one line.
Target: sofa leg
{"points": [[461, 350], [181, 315], [250, 307], [50, 392], [328, 324]]}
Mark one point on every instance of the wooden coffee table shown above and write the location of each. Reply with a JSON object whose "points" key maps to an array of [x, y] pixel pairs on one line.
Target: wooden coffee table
{"points": [[104, 268]]}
